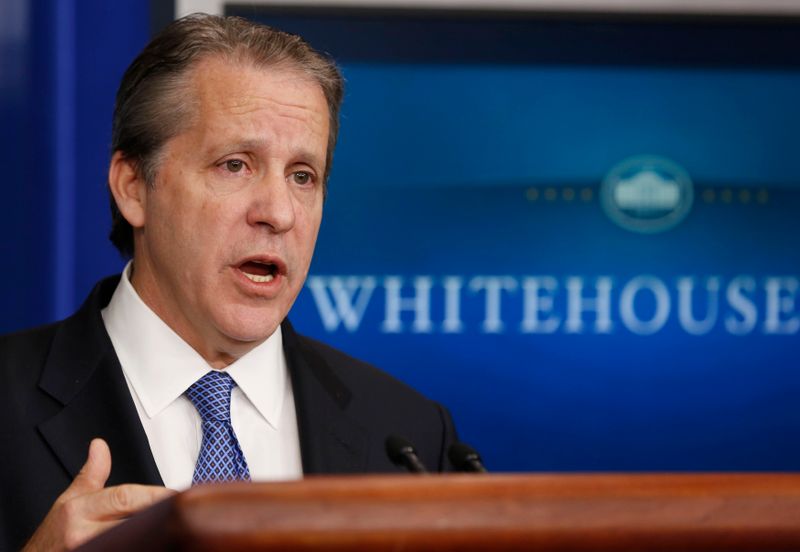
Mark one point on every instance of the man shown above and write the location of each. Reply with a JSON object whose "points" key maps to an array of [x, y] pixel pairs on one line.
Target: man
{"points": [[223, 136]]}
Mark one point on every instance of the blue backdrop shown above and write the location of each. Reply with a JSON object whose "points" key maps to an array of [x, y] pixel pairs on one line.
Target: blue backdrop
{"points": [[61, 64], [466, 247]]}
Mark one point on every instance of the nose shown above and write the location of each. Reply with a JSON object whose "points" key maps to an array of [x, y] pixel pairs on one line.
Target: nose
{"points": [[272, 204]]}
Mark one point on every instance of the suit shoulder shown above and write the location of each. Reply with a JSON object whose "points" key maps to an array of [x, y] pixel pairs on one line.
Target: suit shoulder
{"points": [[359, 374], [377, 403], [22, 358], [28, 345]]}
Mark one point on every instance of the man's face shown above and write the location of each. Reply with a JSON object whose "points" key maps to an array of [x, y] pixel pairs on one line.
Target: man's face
{"points": [[232, 220]]}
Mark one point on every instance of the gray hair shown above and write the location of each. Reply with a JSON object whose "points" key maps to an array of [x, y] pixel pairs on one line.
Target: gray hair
{"points": [[151, 105]]}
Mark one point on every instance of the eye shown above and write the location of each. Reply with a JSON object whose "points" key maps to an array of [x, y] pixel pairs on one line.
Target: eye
{"points": [[234, 165], [302, 177]]}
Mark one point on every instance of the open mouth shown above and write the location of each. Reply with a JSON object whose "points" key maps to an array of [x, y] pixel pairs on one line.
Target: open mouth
{"points": [[259, 272]]}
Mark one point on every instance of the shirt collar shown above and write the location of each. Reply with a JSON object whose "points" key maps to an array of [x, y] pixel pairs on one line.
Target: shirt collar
{"points": [[160, 365]]}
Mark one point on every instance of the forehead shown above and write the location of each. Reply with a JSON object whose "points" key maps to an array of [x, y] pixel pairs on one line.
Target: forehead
{"points": [[239, 91]]}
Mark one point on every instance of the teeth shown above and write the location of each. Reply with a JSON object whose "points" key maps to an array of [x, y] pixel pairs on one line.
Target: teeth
{"points": [[259, 279]]}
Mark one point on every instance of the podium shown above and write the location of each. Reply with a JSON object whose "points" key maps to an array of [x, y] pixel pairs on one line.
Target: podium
{"points": [[620, 512]]}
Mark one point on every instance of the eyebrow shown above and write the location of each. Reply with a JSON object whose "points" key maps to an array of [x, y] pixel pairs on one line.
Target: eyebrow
{"points": [[302, 154], [254, 144], [308, 157]]}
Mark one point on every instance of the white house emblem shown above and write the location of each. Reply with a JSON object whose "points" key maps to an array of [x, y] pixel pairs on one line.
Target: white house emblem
{"points": [[647, 194]]}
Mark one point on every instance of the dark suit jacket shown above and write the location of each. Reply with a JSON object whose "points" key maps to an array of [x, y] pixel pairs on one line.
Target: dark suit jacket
{"points": [[62, 385]]}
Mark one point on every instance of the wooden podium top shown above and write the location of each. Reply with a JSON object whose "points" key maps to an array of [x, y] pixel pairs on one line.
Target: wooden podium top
{"points": [[620, 512]]}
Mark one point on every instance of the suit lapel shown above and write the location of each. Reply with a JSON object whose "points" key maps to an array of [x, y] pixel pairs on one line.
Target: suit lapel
{"points": [[330, 442], [83, 373]]}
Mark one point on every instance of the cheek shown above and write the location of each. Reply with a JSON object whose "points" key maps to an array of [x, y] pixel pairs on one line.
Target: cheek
{"points": [[210, 233], [310, 228], [209, 218], [187, 228]]}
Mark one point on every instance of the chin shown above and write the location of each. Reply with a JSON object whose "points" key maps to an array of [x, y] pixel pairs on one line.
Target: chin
{"points": [[250, 327]]}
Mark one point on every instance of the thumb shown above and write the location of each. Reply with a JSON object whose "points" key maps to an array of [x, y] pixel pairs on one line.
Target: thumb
{"points": [[95, 471]]}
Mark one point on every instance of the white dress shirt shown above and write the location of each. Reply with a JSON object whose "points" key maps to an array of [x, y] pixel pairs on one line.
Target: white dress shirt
{"points": [[159, 366]]}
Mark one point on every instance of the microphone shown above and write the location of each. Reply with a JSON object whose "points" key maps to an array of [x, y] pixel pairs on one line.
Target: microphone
{"points": [[465, 458], [403, 453]]}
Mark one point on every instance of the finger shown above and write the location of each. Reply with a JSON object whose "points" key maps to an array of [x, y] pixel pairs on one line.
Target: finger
{"points": [[123, 500], [94, 473], [87, 532]]}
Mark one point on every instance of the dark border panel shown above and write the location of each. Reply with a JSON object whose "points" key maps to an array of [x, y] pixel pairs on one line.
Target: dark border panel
{"points": [[162, 13], [445, 36]]}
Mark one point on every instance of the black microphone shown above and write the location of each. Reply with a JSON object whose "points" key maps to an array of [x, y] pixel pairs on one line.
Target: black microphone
{"points": [[403, 453], [465, 458]]}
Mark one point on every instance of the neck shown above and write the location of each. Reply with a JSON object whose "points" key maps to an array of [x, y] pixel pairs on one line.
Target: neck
{"points": [[217, 355]]}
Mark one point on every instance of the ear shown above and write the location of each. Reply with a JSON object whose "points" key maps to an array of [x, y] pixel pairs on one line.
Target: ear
{"points": [[128, 189]]}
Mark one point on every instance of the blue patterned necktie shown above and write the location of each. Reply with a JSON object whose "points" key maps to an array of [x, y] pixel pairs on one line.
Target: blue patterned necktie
{"points": [[220, 458]]}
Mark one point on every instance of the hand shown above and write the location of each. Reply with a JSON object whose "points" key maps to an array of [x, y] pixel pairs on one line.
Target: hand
{"points": [[86, 508]]}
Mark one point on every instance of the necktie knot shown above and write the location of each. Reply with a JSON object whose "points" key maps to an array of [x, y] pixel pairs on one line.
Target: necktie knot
{"points": [[211, 396]]}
